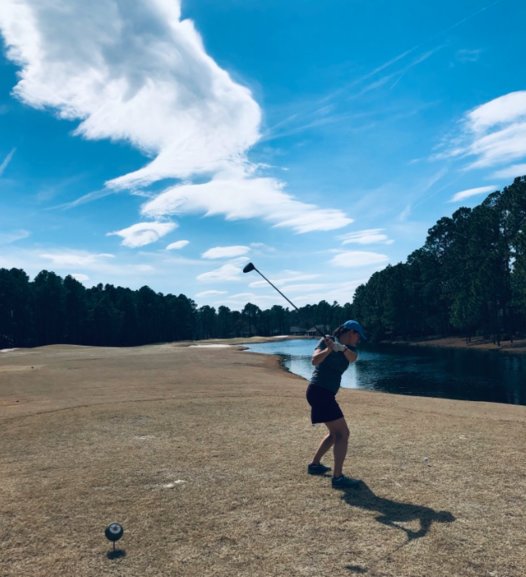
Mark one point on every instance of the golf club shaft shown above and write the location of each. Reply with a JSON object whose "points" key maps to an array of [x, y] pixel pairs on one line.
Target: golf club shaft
{"points": [[285, 297]]}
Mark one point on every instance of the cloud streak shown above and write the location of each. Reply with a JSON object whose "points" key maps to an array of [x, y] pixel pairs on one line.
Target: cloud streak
{"points": [[143, 233], [5, 163], [368, 236], [225, 252], [242, 198], [463, 194], [227, 273], [178, 245], [492, 134], [13, 236]]}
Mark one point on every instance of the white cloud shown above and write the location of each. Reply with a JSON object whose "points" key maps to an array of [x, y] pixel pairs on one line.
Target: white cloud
{"points": [[241, 198], [136, 72], [493, 133], [162, 270], [499, 146], [354, 258], [501, 111], [225, 252], [157, 89], [463, 194], [212, 293], [368, 236], [262, 248], [5, 163], [511, 171], [143, 233], [226, 273], [177, 245], [61, 259]]}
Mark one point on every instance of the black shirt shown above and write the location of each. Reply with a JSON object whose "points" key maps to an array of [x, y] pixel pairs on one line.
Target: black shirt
{"points": [[328, 374]]}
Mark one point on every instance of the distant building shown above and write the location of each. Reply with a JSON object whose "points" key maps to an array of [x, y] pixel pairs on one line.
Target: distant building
{"points": [[315, 331], [297, 331]]}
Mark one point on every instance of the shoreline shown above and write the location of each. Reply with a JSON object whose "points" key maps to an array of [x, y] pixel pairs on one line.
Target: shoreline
{"points": [[516, 347]]}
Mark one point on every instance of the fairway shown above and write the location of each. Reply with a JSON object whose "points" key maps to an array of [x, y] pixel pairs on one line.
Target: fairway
{"points": [[200, 453]]}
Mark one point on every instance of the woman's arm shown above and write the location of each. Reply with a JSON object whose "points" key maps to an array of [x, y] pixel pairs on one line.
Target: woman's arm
{"points": [[319, 355], [350, 354]]}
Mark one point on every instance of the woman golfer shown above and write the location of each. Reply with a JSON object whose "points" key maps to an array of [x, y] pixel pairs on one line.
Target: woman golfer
{"points": [[331, 358]]}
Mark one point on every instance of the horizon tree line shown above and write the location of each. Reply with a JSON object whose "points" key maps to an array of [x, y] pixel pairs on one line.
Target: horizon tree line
{"points": [[468, 279]]}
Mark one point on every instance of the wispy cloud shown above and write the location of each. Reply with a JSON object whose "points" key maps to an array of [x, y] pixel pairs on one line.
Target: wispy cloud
{"points": [[225, 252], [68, 258], [178, 245], [226, 273], [492, 134], [239, 198], [125, 268], [367, 236], [143, 233], [387, 75], [9, 237], [396, 76], [511, 171], [463, 194], [333, 108], [5, 163], [466, 55], [159, 91], [211, 293]]}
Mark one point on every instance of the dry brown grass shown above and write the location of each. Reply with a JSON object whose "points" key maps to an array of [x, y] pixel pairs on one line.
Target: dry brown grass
{"points": [[201, 455]]}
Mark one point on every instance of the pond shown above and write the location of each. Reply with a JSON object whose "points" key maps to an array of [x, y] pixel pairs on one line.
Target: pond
{"points": [[430, 372]]}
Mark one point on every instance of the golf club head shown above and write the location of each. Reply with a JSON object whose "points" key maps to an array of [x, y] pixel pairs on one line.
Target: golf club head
{"points": [[248, 267]]}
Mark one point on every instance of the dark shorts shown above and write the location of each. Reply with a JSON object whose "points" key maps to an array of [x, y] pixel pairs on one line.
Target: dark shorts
{"points": [[324, 407]]}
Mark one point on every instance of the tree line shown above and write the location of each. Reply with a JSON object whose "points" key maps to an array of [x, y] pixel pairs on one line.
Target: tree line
{"points": [[468, 279], [51, 309]]}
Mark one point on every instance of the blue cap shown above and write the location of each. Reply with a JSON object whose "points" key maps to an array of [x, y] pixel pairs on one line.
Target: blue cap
{"points": [[355, 326]]}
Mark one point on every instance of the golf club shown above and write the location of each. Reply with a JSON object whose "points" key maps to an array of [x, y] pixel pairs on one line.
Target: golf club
{"points": [[250, 267]]}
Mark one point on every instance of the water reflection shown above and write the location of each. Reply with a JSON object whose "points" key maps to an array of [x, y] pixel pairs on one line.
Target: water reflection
{"points": [[447, 373]]}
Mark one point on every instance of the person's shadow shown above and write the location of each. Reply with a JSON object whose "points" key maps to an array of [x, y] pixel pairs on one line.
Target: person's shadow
{"points": [[394, 513]]}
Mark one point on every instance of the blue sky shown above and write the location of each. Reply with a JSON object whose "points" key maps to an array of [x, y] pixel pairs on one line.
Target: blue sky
{"points": [[168, 143]]}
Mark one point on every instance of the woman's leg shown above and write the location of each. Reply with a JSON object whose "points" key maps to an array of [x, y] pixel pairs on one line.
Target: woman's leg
{"points": [[325, 445], [339, 432]]}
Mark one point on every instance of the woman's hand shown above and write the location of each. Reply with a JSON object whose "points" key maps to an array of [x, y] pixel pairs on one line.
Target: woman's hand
{"points": [[338, 347], [320, 355]]}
